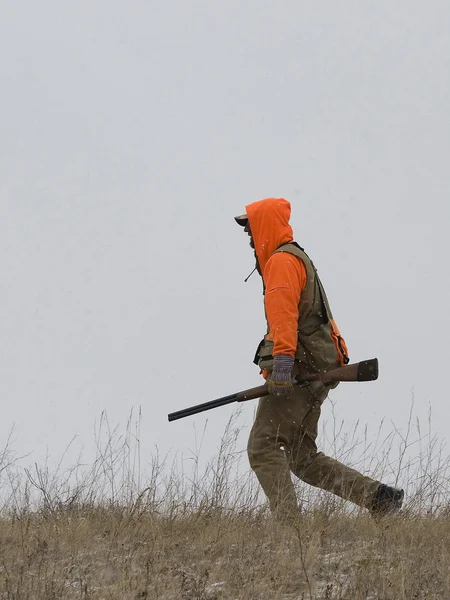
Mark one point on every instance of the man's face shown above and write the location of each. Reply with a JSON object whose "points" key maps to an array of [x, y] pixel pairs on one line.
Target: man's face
{"points": [[249, 233]]}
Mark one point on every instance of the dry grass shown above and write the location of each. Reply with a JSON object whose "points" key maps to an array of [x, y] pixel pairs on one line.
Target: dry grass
{"points": [[100, 534], [110, 553]]}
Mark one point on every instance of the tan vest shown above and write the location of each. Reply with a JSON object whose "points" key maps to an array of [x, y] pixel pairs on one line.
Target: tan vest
{"points": [[319, 343]]}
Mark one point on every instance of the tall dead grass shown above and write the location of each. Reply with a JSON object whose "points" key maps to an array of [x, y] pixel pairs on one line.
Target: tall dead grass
{"points": [[121, 529]]}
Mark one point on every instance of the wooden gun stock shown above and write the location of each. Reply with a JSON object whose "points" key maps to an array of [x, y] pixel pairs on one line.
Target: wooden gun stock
{"points": [[366, 370]]}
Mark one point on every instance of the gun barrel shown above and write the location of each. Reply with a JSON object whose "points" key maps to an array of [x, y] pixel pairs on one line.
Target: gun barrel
{"points": [[193, 410]]}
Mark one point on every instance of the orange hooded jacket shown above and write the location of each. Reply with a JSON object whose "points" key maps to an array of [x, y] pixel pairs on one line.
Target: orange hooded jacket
{"points": [[284, 275]]}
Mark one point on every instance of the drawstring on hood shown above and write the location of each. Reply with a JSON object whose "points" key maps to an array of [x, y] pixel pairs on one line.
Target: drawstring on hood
{"points": [[248, 276]]}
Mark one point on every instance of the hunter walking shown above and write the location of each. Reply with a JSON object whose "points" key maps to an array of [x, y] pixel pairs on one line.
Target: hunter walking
{"points": [[302, 337]]}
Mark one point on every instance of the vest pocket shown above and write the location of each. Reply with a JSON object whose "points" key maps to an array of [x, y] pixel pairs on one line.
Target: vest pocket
{"points": [[256, 358], [316, 349], [264, 355]]}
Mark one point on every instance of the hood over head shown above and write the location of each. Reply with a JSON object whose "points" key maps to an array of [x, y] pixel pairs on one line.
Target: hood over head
{"points": [[269, 222]]}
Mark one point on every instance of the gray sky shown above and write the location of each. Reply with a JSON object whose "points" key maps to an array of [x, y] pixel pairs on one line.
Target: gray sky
{"points": [[133, 132]]}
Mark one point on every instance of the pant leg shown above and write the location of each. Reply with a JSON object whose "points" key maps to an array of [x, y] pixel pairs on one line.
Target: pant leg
{"points": [[272, 436], [321, 471]]}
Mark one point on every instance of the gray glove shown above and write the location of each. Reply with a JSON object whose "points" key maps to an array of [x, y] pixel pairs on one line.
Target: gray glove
{"points": [[280, 380]]}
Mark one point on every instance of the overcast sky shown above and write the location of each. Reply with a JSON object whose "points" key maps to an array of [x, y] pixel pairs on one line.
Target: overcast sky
{"points": [[132, 132]]}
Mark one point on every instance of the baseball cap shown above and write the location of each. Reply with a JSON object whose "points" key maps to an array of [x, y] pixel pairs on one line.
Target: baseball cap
{"points": [[241, 220]]}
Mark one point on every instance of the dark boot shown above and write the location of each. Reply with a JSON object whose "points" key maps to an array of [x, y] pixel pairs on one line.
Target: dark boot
{"points": [[386, 500]]}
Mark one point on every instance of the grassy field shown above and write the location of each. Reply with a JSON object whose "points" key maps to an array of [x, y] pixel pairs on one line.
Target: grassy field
{"points": [[117, 553], [98, 534]]}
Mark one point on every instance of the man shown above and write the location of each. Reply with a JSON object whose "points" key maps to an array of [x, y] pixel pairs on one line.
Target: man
{"points": [[301, 337]]}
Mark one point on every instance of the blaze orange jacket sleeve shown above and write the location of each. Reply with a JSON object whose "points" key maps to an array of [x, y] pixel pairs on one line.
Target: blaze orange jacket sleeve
{"points": [[285, 278]]}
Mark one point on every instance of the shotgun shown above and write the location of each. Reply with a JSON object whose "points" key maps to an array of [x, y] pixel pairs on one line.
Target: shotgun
{"points": [[366, 370]]}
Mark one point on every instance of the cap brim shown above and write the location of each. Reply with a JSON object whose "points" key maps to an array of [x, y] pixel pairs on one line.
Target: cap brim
{"points": [[241, 220]]}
